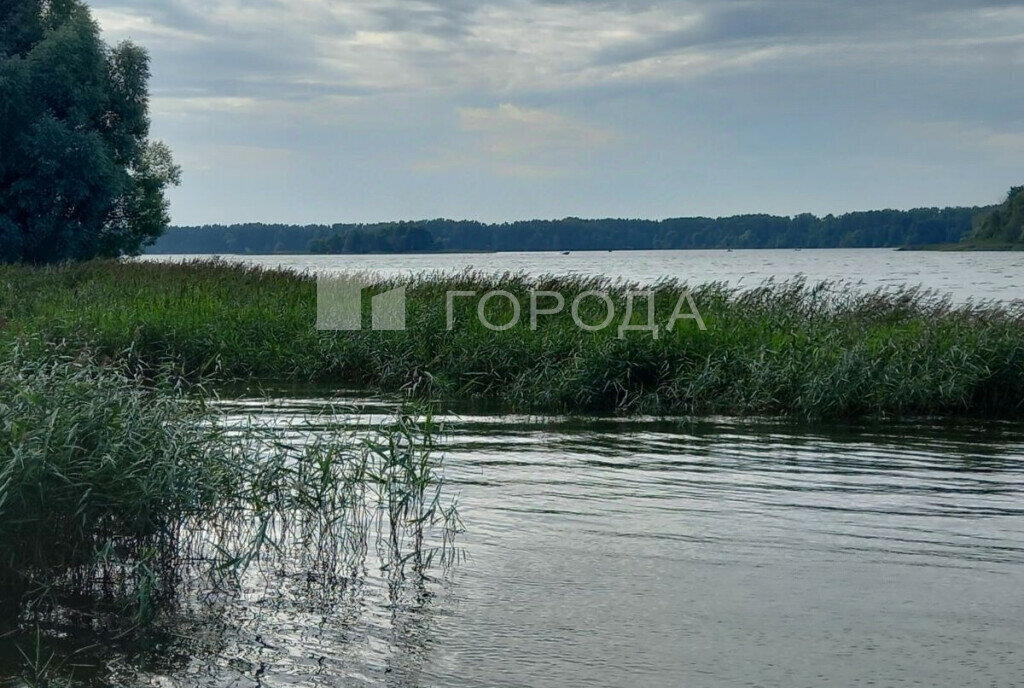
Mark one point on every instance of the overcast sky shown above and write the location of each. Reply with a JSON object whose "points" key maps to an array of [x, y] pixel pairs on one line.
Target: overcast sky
{"points": [[362, 110]]}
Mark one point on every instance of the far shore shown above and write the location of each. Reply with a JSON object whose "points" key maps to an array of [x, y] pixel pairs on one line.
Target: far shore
{"points": [[966, 246]]}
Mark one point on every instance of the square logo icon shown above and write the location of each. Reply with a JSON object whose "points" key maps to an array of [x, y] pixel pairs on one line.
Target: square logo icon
{"points": [[340, 299]]}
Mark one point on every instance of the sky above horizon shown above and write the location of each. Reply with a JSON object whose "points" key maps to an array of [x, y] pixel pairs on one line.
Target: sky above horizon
{"points": [[320, 111]]}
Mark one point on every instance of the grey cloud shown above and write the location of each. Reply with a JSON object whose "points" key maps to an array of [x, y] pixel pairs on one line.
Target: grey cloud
{"points": [[449, 20], [308, 47], [766, 22]]}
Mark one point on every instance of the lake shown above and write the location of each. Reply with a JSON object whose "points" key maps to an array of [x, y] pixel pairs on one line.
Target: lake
{"points": [[663, 553], [654, 552], [965, 275]]}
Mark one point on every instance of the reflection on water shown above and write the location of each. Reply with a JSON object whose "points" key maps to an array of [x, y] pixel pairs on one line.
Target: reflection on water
{"points": [[654, 553]]}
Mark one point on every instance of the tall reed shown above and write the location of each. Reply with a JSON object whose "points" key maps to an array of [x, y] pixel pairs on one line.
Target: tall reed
{"points": [[815, 351], [118, 490]]}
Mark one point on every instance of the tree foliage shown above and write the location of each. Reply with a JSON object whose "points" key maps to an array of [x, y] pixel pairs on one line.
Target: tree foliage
{"points": [[78, 176], [1004, 223]]}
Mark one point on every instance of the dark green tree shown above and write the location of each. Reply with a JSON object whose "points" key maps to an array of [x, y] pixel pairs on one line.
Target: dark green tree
{"points": [[79, 177], [1004, 223]]}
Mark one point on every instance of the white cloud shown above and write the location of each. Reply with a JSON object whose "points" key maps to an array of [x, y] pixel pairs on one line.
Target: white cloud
{"points": [[191, 106], [513, 129], [120, 24], [514, 141], [238, 160], [1002, 143]]}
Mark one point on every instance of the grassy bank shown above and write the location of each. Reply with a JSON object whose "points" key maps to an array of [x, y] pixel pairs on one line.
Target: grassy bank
{"points": [[802, 350]]}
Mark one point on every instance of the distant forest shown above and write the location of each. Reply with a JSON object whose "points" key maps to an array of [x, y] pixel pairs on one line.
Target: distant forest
{"points": [[872, 229]]}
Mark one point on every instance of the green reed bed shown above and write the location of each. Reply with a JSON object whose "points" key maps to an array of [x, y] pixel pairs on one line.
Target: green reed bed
{"points": [[118, 494], [822, 351]]}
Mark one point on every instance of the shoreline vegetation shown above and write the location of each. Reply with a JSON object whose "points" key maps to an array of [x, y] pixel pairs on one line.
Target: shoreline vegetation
{"points": [[123, 496], [790, 349]]}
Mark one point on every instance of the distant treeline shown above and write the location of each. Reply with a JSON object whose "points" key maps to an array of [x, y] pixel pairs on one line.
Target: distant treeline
{"points": [[872, 229]]}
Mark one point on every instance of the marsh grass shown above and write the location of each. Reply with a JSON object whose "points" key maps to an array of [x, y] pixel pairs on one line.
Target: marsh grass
{"points": [[119, 493], [810, 351], [96, 472]]}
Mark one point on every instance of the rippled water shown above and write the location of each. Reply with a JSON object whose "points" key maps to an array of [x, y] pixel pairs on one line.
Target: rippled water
{"points": [[981, 275], [654, 553]]}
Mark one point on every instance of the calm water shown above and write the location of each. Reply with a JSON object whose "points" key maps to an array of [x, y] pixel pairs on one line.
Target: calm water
{"points": [[655, 553], [964, 275], [652, 553]]}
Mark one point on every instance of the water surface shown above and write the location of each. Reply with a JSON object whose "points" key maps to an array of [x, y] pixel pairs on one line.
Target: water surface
{"points": [[965, 275], [654, 553]]}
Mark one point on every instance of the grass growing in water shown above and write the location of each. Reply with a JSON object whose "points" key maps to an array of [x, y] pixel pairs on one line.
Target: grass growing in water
{"points": [[817, 351], [117, 494]]}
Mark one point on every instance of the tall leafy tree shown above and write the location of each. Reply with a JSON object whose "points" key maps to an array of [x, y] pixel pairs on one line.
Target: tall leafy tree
{"points": [[1004, 223], [79, 177]]}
